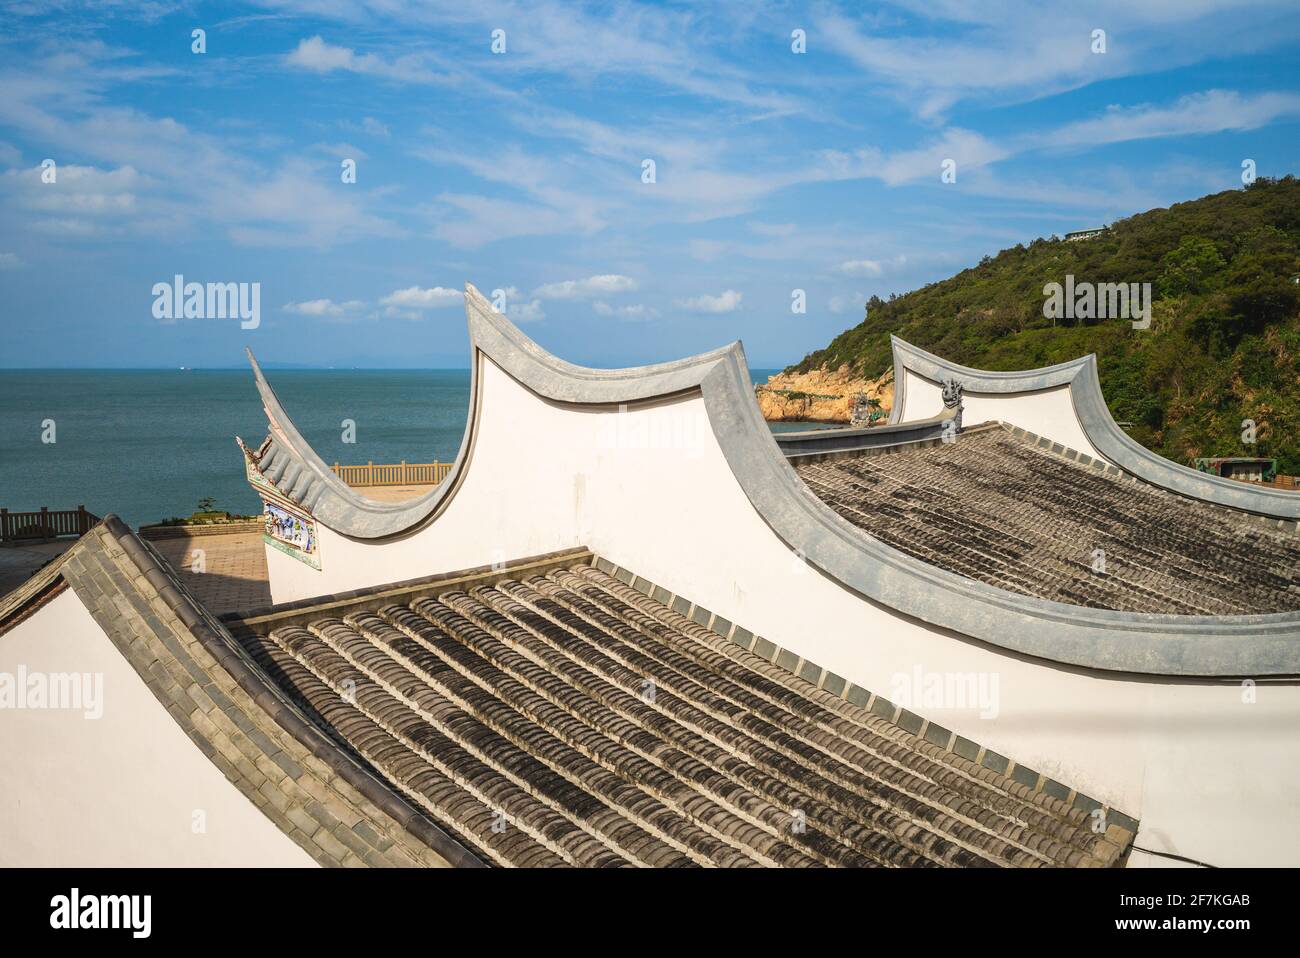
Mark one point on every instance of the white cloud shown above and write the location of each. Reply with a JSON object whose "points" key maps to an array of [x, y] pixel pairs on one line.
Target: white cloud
{"points": [[968, 150], [10, 261], [487, 219], [374, 127], [413, 297], [315, 54], [155, 176], [318, 56], [725, 302], [77, 190], [299, 204], [529, 312], [873, 267], [633, 313], [1017, 50], [1213, 111], [325, 308], [341, 151], [603, 285]]}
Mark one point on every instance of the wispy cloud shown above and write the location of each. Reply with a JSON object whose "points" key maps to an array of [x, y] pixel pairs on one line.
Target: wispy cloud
{"points": [[1019, 49], [637, 312], [1197, 114], [603, 285], [327, 309], [413, 297], [161, 176], [725, 302], [861, 267], [775, 170]]}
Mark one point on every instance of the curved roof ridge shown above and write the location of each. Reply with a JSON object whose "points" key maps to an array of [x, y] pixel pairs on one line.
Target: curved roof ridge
{"points": [[315, 486], [1149, 643], [1115, 445]]}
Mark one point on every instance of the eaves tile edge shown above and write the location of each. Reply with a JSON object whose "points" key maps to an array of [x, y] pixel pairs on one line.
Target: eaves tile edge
{"points": [[926, 731]]}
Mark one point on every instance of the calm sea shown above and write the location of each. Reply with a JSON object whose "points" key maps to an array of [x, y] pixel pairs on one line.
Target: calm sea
{"points": [[149, 444]]}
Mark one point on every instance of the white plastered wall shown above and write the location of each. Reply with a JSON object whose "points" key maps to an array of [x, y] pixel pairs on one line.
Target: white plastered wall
{"points": [[1045, 412], [1211, 778], [120, 790]]}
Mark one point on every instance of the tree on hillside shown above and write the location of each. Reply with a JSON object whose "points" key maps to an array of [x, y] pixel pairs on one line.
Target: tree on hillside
{"points": [[1225, 341], [1190, 268]]}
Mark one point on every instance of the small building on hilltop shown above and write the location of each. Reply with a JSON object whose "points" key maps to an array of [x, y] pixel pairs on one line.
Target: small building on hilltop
{"points": [[1243, 468], [1085, 234]]}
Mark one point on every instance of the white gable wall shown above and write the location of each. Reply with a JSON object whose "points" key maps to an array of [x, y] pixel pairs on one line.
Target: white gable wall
{"points": [[1046, 412], [120, 790]]}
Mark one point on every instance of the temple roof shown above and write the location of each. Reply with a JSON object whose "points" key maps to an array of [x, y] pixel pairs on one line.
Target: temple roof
{"points": [[546, 712], [998, 506], [1129, 621], [566, 718]]}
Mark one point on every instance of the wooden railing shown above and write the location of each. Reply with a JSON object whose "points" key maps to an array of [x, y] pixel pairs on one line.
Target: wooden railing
{"points": [[15, 526], [394, 474]]}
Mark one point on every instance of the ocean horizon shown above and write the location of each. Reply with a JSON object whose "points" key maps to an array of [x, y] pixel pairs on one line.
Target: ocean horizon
{"points": [[149, 444]]}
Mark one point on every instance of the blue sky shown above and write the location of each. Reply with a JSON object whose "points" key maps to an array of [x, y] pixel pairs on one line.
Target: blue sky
{"points": [[523, 170]]}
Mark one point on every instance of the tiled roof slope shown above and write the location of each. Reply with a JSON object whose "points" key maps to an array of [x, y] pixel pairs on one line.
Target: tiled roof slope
{"points": [[997, 506], [567, 719]]}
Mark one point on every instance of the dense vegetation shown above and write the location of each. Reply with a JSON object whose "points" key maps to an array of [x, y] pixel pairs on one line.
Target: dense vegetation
{"points": [[1224, 342]]}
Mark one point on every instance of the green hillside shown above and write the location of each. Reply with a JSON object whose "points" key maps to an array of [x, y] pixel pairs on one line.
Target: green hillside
{"points": [[1224, 342]]}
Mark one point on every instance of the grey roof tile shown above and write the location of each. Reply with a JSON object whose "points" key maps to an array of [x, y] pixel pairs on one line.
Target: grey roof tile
{"points": [[1017, 514], [593, 725]]}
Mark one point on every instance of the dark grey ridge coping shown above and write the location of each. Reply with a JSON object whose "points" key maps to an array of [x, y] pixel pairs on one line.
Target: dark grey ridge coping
{"points": [[890, 449], [263, 620], [1098, 425], [1143, 643], [314, 791], [865, 437], [840, 687]]}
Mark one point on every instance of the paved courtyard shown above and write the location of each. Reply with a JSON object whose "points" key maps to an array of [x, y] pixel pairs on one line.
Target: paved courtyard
{"points": [[391, 493], [19, 562], [233, 575]]}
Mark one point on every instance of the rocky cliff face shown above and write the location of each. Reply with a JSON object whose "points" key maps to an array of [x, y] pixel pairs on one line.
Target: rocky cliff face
{"points": [[821, 395]]}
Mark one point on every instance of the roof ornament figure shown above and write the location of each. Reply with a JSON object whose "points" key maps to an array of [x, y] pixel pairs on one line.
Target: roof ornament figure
{"points": [[952, 390]]}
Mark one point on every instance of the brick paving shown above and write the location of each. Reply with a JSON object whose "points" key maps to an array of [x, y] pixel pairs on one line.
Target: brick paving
{"points": [[391, 493], [18, 563], [234, 576], [234, 569]]}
